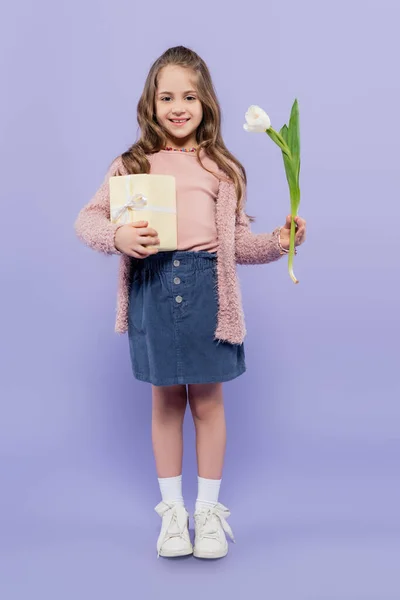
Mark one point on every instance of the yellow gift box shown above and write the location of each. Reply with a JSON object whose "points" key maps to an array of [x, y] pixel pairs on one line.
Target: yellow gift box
{"points": [[146, 197]]}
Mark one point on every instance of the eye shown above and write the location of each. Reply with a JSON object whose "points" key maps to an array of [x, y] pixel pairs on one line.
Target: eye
{"points": [[165, 98], [190, 98]]}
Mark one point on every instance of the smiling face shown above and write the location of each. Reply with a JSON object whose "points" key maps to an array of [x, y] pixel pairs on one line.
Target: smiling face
{"points": [[178, 108]]}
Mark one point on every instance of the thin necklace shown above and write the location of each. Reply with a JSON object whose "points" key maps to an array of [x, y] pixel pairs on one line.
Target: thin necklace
{"points": [[170, 149]]}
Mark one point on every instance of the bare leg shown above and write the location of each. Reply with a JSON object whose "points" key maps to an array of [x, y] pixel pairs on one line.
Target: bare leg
{"points": [[168, 411], [207, 407]]}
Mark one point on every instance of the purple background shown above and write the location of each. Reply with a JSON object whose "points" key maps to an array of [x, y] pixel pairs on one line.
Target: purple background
{"points": [[312, 463]]}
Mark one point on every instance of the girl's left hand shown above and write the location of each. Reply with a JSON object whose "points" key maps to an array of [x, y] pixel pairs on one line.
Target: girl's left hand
{"points": [[300, 232]]}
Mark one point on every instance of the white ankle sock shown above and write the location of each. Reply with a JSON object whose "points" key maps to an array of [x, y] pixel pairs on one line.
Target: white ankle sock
{"points": [[171, 489], [208, 491]]}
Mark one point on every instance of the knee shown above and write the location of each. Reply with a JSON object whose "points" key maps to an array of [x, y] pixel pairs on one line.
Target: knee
{"points": [[169, 401], [204, 406]]}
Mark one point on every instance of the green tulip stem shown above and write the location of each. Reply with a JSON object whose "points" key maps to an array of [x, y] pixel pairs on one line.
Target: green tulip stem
{"points": [[278, 139], [294, 201], [288, 141]]}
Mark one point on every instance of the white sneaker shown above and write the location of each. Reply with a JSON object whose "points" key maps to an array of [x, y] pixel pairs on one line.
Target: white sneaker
{"points": [[174, 537], [210, 524]]}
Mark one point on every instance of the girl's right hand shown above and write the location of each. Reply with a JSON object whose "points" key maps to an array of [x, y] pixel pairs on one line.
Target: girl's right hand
{"points": [[134, 238]]}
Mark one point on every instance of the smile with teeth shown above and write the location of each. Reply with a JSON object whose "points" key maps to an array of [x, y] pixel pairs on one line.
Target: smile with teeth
{"points": [[179, 121]]}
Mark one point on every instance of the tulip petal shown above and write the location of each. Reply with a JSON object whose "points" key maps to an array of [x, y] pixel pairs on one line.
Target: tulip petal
{"points": [[257, 117], [253, 128]]}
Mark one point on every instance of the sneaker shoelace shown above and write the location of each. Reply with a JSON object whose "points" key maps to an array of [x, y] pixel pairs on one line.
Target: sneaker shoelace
{"points": [[207, 520], [176, 521]]}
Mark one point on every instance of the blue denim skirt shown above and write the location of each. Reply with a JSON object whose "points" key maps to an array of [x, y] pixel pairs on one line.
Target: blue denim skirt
{"points": [[173, 307]]}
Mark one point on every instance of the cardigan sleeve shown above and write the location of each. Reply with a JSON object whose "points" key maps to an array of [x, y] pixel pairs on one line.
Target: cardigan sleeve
{"points": [[93, 226], [255, 248]]}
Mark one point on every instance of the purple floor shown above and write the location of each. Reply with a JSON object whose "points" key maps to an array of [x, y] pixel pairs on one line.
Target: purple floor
{"points": [[302, 533]]}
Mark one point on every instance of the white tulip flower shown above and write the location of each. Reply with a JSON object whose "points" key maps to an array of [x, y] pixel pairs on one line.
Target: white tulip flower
{"points": [[257, 120], [288, 140]]}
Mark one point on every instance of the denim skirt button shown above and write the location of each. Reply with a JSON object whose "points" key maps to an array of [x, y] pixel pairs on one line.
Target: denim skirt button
{"points": [[176, 263], [172, 337]]}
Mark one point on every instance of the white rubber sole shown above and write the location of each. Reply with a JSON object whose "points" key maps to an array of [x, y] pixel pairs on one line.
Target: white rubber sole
{"points": [[173, 553], [220, 554]]}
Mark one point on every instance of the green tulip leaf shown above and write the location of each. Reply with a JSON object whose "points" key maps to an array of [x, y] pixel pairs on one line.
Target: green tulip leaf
{"points": [[294, 137], [290, 172], [284, 133]]}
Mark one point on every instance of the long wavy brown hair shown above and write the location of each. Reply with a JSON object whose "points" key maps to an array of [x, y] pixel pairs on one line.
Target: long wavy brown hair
{"points": [[153, 138]]}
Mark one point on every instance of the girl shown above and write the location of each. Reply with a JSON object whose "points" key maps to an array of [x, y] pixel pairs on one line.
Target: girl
{"points": [[182, 310]]}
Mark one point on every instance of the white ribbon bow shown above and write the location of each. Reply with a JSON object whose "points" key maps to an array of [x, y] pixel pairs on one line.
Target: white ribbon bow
{"points": [[135, 202]]}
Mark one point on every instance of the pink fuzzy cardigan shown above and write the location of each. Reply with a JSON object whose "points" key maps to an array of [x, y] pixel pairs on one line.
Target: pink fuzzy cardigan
{"points": [[237, 245]]}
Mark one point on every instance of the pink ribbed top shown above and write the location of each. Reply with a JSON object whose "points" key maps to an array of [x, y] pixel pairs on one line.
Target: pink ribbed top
{"points": [[196, 194]]}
